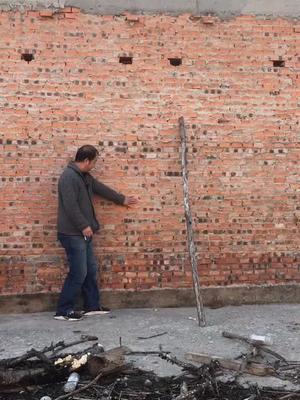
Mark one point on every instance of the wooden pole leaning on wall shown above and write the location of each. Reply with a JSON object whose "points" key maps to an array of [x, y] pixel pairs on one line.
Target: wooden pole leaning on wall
{"points": [[189, 224]]}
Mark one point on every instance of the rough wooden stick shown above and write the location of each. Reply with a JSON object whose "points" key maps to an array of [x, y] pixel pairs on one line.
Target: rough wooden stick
{"points": [[152, 336], [255, 343], [246, 360], [189, 225], [251, 368]]}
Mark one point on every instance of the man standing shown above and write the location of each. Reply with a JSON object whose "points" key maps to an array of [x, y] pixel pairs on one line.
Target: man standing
{"points": [[76, 226]]}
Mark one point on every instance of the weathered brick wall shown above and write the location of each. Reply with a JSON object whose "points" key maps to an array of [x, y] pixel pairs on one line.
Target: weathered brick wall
{"points": [[242, 117]]}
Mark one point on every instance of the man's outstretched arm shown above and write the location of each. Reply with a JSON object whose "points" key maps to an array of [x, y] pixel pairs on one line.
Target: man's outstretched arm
{"points": [[110, 194]]}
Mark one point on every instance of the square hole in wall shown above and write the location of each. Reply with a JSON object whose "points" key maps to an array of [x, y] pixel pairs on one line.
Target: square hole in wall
{"points": [[175, 61], [278, 63], [27, 57], [125, 60]]}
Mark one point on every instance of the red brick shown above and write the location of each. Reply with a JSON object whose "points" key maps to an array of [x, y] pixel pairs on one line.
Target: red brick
{"points": [[46, 13], [70, 15]]}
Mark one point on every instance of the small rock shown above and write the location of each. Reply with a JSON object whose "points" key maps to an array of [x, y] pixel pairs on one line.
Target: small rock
{"points": [[148, 383]]}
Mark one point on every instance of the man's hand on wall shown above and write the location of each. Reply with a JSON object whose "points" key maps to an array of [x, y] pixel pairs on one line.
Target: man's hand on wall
{"points": [[129, 201]]}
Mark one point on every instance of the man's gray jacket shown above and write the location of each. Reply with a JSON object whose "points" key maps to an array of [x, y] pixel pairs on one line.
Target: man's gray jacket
{"points": [[75, 208]]}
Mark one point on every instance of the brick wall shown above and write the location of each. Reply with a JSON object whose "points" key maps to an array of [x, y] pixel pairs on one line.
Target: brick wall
{"points": [[238, 88]]}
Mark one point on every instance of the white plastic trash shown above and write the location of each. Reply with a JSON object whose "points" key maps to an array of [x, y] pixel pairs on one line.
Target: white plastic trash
{"points": [[263, 339], [72, 382]]}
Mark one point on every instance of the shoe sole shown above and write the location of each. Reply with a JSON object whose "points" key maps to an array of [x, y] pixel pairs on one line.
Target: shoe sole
{"points": [[91, 313], [62, 318]]}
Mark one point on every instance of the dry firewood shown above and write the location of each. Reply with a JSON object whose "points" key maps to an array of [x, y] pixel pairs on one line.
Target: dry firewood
{"points": [[54, 348], [273, 353], [9, 363], [260, 346], [146, 353], [10, 377], [108, 362], [20, 371], [289, 396], [152, 336], [83, 339], [250, 368], [246, 359], [174, 360]]}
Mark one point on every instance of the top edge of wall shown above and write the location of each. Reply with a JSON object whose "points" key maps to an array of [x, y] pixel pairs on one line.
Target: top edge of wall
{"points": [[219, 8]]}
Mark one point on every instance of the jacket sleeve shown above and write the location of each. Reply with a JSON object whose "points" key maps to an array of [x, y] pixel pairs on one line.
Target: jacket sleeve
{"points": [[106, 192], [68, 191]]}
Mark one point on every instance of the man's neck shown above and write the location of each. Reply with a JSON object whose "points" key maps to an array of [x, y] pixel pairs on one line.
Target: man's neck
{"points": [[80, 166]]}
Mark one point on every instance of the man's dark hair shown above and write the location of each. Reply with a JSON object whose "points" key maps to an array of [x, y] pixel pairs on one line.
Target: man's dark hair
{"points": [[86, 152]]}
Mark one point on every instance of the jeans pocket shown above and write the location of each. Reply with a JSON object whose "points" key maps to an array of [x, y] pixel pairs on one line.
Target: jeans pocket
{"points": [[72, 241]]}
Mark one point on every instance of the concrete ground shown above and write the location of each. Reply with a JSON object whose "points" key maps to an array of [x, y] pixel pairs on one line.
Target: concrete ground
{"points": [[21, 332]]}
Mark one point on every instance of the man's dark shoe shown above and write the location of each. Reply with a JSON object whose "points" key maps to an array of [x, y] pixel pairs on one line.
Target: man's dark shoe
{"points": [[99, 311], [72, 316]]}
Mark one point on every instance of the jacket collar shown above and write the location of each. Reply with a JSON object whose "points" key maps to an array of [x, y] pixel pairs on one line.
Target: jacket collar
{"points": [[73, 166]]}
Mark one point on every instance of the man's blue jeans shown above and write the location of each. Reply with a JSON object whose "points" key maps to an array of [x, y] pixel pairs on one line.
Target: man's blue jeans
{"points": [[82, 276]]}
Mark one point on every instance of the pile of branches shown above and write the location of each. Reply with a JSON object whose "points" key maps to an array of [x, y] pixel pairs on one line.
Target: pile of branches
{"points": [[275, 363], [141, 385], [106, 376], [41, 366]]}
